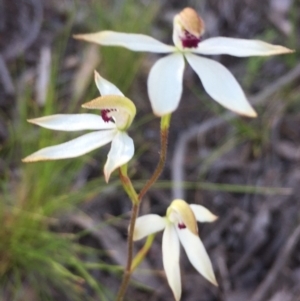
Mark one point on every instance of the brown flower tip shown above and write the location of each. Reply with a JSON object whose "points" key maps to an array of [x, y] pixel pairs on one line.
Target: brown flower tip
{"points": [[191, 22]]}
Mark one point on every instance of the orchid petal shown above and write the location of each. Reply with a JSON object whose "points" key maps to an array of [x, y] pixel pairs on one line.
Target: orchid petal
{"points": [[73, 122], [73, 148], [105, 87], [170, 250], [135, 42], [148, 224], [239, 47], [122, 150], [197, 254], [221, 85], [202, 214], [165, 84]]}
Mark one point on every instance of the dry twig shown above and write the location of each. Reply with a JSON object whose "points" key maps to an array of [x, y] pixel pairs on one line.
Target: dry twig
{"points": [[279, 264]]}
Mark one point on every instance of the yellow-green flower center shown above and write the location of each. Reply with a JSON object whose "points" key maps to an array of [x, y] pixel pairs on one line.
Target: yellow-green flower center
{"points": [[181, 214], [119, 109]]}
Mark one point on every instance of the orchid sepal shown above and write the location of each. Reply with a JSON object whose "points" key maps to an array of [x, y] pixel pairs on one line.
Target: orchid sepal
{"points": [[165, 84], [73, 148], [121, 152], [72, 122], [132, 41], [105, 87], [228, 92], [239, 47]]}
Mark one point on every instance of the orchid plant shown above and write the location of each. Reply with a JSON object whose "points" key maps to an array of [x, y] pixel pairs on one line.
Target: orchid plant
{"points": [[165, 90]]}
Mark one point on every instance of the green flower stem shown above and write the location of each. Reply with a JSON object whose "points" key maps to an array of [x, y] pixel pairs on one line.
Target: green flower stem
{"points": [[142, 253], [165, 121], [128, 187], [164, 133]]}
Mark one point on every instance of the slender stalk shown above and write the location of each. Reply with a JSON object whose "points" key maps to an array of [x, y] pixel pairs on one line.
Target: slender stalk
{"points": [[128, 187], [127, 272], [136, 200], [164, 134]]}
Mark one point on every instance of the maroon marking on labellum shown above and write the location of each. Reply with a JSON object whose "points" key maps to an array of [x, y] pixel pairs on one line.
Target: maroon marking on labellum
{"points": [[181, 226], [104, 115], [190, 41]]}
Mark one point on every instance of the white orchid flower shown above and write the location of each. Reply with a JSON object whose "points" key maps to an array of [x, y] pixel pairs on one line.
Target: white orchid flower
{"points": [[117, 114], [165, 78], [180, 224]]}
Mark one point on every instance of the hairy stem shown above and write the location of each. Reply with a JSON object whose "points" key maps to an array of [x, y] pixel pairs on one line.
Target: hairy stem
{"points": [[128, 187], [136, 200], [128, 271], [164, 134]]}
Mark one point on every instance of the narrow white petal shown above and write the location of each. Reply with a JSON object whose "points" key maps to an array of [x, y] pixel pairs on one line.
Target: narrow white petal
{"points": [[73, 122], [239, 47], [73, 148], [148, 224], [136, 42], [170, 250], [221, 85], [165, 84], [122, 150], [105, 87], [197, 254], [202, 214]]}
